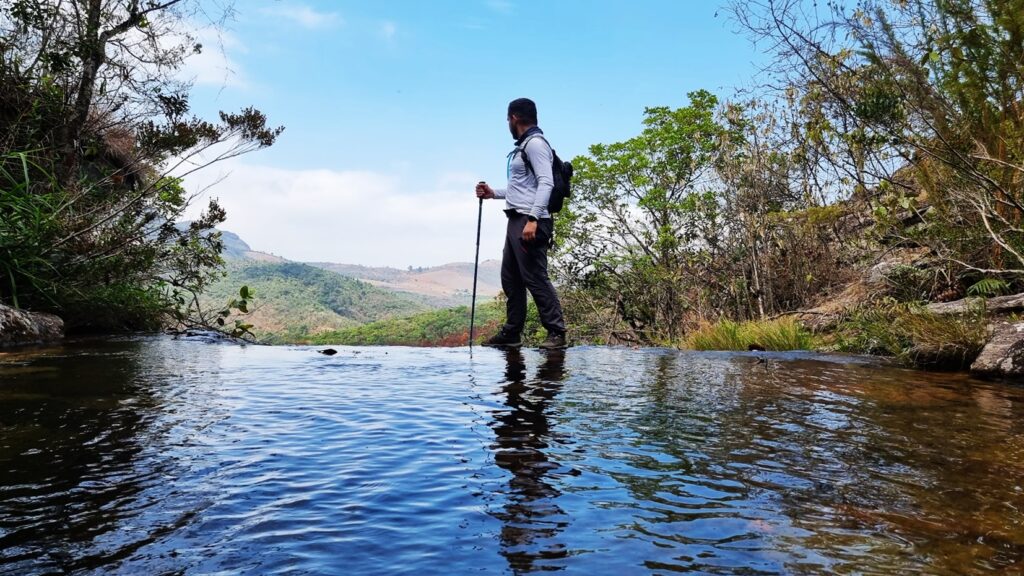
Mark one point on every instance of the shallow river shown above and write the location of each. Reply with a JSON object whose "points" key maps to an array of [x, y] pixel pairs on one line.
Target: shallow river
{"points": [[156, 456]]}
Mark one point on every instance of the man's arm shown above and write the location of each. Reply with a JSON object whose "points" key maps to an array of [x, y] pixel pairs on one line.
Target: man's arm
{"points": [[483, 190], [540, 159]]}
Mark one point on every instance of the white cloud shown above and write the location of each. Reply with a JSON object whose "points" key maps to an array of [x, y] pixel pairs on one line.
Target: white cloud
{"points": [[355, 217], [305, 16], [501, 6], [388, 30]]}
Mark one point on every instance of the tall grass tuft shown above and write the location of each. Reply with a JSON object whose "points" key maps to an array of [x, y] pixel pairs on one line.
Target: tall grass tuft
{"points": [[777, 335], [28, 228], [915, 336]]}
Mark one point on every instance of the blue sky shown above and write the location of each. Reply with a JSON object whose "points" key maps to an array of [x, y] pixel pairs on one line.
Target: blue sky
{"points": [[393, 110]]}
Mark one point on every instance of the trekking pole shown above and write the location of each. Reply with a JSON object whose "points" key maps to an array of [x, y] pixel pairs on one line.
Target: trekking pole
{"points": [[476, 264]]}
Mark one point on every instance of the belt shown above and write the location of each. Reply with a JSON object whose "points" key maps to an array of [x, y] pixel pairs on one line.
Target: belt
{"points": [[512, 213]]}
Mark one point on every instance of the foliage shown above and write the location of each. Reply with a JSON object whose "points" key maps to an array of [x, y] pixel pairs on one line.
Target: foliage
{"points": [[709, 212], [987, 287], [919, 103], [914, 335], [776, 335], [909, 283], [638, 210], [448, 327], [241, 304], [93, 122]]}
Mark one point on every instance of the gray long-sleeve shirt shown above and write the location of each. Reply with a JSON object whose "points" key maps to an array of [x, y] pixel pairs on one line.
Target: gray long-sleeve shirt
{"points": [[529, 190]]}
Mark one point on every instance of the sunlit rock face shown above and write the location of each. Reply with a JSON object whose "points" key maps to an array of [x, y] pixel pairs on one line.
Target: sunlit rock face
{"points": [[1003, 356], [19, 327]]}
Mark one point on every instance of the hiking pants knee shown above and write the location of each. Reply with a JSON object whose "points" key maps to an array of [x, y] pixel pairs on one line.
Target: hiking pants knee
{"points": [[524, 267]]}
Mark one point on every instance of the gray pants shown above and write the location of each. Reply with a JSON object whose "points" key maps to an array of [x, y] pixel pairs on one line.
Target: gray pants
{"points": [[524, 266]]}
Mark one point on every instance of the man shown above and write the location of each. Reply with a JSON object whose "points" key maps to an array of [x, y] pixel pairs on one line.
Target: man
{"points": [[524, 262]]}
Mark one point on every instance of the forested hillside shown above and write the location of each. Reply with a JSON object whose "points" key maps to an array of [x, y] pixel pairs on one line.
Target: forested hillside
{"points": [[449, 327], [294, 301]]}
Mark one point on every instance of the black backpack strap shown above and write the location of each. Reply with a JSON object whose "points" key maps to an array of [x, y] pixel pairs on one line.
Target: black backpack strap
{"points": [[522, 150]]}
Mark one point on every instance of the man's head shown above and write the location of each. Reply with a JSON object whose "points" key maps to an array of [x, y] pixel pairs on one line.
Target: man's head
{"points": [[522, 114]]}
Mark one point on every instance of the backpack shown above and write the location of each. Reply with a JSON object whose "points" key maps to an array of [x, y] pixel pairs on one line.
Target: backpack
{"points": [[561, 175]]}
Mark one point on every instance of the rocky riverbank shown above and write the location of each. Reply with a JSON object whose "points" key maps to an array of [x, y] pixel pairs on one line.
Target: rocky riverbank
{"points": [[1003, 354], [19, 328]]}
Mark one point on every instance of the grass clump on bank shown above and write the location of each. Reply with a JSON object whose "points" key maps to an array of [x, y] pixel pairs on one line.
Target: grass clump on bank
{"points": [[776, 335], [915, 336]]}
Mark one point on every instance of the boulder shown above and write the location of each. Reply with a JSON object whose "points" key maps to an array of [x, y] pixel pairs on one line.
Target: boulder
{"points": [[18, 327], [1003, 356]]}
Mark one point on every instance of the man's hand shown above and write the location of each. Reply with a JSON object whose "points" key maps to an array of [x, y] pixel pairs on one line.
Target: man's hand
{"points": [[483, 190], [530, 231]]}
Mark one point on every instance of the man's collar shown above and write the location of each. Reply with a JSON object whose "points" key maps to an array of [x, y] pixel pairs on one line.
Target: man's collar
{"points": [[529, 132]]}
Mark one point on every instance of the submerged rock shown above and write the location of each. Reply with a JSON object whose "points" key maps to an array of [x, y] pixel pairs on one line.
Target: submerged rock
{"points": [[18, 327], [1003, 356]]}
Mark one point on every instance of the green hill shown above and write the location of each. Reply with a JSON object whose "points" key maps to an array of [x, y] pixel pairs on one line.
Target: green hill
{"points": [[449, 327], [295, 301]]}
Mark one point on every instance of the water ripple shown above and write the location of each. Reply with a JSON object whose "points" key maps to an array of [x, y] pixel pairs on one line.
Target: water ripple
{"points": [[152, 456]]}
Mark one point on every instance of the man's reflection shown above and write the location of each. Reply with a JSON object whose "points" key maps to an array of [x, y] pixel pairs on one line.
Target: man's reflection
{"points": [[531, 519]]}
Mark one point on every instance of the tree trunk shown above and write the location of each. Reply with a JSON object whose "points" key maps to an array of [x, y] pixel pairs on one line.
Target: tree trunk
{"points": [[92, 52]]}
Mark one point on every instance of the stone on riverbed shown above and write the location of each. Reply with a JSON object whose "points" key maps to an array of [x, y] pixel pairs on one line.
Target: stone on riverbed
{"points": [[1003, 356], [18, 327]]}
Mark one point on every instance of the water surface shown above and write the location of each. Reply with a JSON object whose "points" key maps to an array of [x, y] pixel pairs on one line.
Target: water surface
{"points": [[156, 456]]}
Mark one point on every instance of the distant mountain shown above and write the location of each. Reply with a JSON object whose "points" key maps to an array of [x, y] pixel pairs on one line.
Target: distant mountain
{"points": [[237, 249], [445, 286], [295, 301], [438, 286]]}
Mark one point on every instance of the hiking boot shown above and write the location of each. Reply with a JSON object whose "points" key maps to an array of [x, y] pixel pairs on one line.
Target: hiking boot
{"points": [[554, 341], [504, 339]]}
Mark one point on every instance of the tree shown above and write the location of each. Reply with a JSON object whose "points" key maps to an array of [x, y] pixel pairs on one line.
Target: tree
{"points": [[933, 88], [643, 216], [94, 122]]}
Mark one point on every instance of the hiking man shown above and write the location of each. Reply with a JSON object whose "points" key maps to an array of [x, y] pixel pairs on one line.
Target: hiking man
{"points": [[528, 236]]}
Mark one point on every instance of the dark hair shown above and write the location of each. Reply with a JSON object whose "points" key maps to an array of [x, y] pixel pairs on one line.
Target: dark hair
{"points": [[524, 108]]}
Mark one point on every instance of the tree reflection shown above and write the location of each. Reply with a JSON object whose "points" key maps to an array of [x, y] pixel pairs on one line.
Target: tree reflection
{"points": [[77, 426], [531, 518]]}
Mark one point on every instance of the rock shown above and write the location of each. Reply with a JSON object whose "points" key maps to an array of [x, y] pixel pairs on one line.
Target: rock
{"points": [[328, 351], [998, 305], [880, 272], [941, 356], [1003, 356], [18, 327]]}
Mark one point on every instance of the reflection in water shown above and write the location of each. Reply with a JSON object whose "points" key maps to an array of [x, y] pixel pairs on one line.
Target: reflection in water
{"points": [[531, 518], [82, 459], [71, 446], [162, 457]]}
